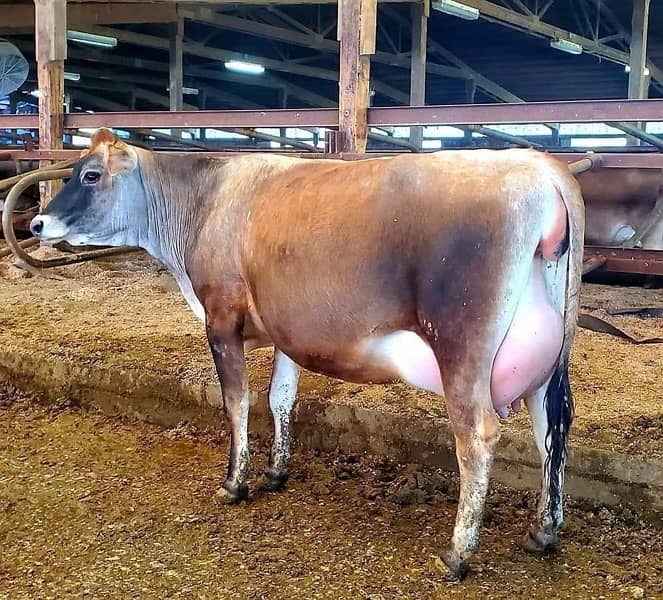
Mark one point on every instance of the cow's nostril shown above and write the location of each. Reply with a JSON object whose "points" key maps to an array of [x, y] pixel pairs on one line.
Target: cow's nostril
{"points": [[37, 226]]}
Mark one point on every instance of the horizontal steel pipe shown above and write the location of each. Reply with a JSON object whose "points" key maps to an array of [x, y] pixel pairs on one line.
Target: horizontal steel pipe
{"points": [[33, 241], [585, 164], [5, 184], [575, 111], [627, 260], [641, 160]]}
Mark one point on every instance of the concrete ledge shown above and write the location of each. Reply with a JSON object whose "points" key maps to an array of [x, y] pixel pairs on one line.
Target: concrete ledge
{"points": [[605, 477]]}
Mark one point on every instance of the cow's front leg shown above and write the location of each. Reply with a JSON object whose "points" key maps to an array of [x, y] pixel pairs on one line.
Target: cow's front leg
{"points": [[227, 348], [282, 395]]}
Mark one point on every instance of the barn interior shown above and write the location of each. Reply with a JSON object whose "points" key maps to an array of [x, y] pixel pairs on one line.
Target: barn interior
{"points": [[498, 52], [112, 442]]}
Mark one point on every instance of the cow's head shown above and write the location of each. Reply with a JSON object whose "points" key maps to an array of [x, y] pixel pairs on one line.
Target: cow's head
{"points": [[100, 204]]}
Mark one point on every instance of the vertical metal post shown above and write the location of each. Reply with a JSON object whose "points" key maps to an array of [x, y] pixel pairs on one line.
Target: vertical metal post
{"points": [[638, 81], [176, 73], [419, 17]]}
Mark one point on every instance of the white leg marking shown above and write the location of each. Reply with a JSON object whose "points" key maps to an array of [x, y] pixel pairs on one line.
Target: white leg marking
{"points": [[282, 395]]}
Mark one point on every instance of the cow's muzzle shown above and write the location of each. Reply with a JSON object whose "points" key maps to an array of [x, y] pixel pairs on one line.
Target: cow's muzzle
{"points": [[48, 228], [37, 225]]}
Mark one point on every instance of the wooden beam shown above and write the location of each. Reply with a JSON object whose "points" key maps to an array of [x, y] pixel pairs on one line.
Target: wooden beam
{"points": [[176, 75], [638, 82], [357, 20], [228, 98], [51, 52], [418, 69], [21, 17]]}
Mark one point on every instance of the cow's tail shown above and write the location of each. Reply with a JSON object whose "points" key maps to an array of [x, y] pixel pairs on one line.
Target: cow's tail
{"points": [[558, 400]]}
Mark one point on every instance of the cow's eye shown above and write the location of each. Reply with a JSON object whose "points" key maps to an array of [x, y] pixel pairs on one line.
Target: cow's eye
{"points": [[91, 177]]}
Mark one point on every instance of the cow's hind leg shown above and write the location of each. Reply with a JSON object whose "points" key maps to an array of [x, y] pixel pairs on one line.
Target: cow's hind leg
{"points": [[542, 536], [227, 348], [282, 395], [476, 429]]}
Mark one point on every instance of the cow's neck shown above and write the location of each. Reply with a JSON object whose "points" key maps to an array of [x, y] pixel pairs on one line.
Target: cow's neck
{"points": [[171, 215]]}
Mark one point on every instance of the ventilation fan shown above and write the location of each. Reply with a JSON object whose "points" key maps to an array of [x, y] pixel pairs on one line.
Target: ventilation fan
{"points": [[13, 68]]}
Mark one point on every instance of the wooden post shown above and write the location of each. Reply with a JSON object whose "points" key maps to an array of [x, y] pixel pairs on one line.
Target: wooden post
{"points": [[419, 17], [176, 81], [638, 81], [51, 52], [356, 32]]}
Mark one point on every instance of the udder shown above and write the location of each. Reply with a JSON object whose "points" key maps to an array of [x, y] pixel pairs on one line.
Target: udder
{"points": [[524, 361], [529, 351]]}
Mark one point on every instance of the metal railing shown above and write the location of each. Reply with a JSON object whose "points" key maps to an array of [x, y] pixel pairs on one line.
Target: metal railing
{"points": [[596, 111]]}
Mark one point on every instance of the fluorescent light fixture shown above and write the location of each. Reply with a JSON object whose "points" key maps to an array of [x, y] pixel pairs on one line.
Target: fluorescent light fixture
{"points": [[187, 91], [610, 142], [627, 69], [566, 46], [91, 39], [240, 66], [72, 76], [456, 9]]}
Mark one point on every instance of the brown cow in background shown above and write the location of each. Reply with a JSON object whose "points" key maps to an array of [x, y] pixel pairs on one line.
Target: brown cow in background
{"points": [[617, 203]]}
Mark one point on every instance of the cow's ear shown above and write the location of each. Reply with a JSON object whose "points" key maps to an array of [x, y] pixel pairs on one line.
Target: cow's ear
{"points": [[102, 136], [122, 158]]}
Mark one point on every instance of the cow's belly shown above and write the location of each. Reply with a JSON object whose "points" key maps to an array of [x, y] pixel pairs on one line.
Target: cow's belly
{"points": [[524, 361]]}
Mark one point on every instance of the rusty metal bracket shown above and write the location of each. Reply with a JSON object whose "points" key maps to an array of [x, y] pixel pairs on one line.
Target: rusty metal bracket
{"points": [[624, 260], [10, 236], [585, 164]]}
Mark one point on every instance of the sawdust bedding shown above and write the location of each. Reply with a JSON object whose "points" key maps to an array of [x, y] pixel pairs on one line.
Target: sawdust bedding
{"points": [[100, 507]]}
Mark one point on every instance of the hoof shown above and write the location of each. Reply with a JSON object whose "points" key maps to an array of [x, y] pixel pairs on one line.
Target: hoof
{"points": [[231, 494], [456, 568], [273, 481], [538, 542]]}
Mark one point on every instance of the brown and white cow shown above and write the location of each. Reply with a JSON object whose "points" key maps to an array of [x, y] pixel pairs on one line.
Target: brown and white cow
{"points": [[457, 272], [618, 202]]}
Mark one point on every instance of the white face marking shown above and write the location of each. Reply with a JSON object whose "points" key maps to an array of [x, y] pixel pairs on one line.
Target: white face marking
{"points": [[53, 229]]}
